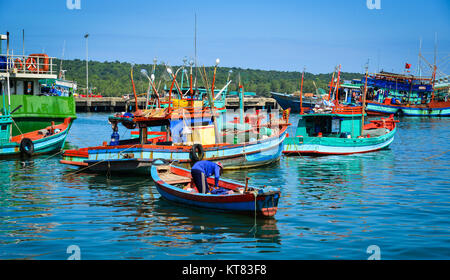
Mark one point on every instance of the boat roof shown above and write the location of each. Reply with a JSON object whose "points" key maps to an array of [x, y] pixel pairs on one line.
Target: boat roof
{"points": [[395, 76], [337, 111]]}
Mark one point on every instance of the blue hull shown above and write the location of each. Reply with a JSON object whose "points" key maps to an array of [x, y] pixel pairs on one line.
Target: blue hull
{"points": [[288, 101], [139, 159]]}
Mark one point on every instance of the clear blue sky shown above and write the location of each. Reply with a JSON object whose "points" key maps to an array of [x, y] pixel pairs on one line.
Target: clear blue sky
{"points": [[269, 35]]}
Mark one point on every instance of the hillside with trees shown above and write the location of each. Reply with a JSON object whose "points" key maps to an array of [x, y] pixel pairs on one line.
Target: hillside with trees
{"points": [[113, 78]]}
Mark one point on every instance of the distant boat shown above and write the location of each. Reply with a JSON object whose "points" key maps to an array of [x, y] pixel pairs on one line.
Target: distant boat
{"points": [[407, 95], [291, 101], [175, 184]]}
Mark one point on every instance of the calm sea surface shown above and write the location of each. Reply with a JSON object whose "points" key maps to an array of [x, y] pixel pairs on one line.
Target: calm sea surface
{"points": [[331, 207]]}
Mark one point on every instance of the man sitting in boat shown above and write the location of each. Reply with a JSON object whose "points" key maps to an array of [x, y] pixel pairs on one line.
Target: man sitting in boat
{"points": [[201, 170]]}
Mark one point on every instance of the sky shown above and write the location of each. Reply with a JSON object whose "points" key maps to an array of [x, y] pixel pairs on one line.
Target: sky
{"points": [[278, 35]]}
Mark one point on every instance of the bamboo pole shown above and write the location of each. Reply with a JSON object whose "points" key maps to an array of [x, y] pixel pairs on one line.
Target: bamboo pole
{"points": [[134, 90], [301, 93]]}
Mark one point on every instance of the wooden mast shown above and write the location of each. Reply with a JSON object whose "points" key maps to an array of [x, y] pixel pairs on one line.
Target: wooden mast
{"points": [[301, 93], [331, 84], [337, 85], [364, 101], [134, 90]]}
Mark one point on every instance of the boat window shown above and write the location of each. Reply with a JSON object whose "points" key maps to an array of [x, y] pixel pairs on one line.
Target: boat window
{"points": [[28, 87], [4, 127], [319, 124]]}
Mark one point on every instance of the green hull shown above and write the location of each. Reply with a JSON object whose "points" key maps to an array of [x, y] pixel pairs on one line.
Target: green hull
{"points": [[37, 112]]}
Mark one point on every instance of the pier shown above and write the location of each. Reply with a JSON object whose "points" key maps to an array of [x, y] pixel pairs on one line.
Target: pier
{"points": [[119, 104]]}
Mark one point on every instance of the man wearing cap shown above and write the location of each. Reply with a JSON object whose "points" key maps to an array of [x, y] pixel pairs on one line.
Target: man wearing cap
{"points": [[201, 170]]}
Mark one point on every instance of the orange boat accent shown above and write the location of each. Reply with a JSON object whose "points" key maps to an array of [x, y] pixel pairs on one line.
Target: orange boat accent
{"points": [[18, 64], [35, 135], [44, 66]]}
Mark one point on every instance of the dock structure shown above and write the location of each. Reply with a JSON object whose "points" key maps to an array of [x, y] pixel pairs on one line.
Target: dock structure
{"points": [[256, 102], [107, 104], [119, 104]]}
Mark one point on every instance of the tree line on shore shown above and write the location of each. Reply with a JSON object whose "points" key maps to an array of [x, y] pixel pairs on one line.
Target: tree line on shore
{"points": [[113, 78]]}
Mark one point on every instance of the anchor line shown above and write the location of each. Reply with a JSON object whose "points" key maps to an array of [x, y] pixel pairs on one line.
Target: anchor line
{"points": [[101, 161]]}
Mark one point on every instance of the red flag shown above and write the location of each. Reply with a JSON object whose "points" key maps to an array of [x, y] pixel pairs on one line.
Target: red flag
{"points": [[407, 65]]}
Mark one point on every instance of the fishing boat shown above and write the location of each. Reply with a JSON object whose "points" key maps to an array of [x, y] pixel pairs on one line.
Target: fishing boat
{"points": [[176, 184], [338, 132], [292, 102], [406, 95], [336, 129], [49, 139], [33, 84], [187, 133]]}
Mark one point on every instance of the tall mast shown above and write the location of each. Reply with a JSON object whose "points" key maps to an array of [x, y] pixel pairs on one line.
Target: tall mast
{"points": [[87, 69], [434, 65], [337, 85], [331, 84], [195, 51], [301, 93], [419, 70], [364, 99]]}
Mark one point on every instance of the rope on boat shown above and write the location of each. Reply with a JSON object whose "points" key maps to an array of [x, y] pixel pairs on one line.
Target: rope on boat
{"points": [[21, 134], [255, 193], [101, 161], [44, 159]]}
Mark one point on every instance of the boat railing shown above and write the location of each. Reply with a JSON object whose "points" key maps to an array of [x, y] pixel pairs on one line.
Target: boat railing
{"points": [[347, 110], [37, 64]]}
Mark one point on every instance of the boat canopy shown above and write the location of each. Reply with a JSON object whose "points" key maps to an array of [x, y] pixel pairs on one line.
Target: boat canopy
{"points": [[329, 125]]}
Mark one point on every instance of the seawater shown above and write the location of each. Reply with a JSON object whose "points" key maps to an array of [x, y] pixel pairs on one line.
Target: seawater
{"points": [[334, 207]]}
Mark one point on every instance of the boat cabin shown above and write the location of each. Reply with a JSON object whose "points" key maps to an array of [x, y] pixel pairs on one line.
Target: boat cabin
{"points": [[5, 128], [329, 125]]}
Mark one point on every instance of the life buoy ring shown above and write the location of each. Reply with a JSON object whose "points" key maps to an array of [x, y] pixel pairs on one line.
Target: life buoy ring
{"points": [[31, 64], [26, 147], [197, 153], [18, 64], [44, 62]]}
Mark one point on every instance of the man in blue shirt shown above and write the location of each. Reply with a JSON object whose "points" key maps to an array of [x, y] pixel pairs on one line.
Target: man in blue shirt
{"points": [[201, 170]]}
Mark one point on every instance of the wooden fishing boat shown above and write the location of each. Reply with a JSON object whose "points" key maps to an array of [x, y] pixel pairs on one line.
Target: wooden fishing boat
{"points": [[339, 133], [406, 95], [32, 82], [175, 184], [335, 129], [257, 147], [290, 101], [186, 133], [49, 139]]}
